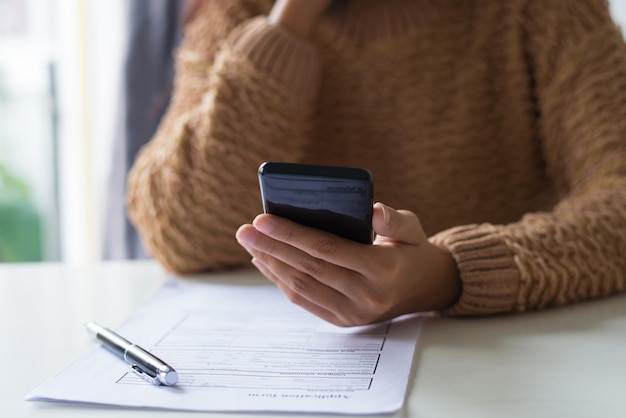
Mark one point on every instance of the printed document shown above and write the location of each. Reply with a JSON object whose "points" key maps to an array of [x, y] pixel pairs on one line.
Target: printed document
{"points": [[246, 348]]}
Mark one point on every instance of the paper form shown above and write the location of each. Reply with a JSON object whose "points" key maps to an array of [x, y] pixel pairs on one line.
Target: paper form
{"points": [[247, 348]]}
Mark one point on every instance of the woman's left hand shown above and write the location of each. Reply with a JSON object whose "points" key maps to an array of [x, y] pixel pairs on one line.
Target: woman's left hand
{"points": [[349, 283]]}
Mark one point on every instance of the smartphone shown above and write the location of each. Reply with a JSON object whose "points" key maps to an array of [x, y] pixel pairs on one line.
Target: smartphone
{"points": [[335, 199]]}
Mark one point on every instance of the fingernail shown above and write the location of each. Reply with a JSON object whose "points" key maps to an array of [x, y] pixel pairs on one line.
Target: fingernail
{"points": [[262, 268], [246, 236], [257, 263], [263, 224], [386, 214]]}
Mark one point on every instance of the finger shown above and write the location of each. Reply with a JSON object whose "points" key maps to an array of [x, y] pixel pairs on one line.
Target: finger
{"points": [[242, 232], [295, 297], [398, 225], [344, 294], [319, 244], [278, 255]]}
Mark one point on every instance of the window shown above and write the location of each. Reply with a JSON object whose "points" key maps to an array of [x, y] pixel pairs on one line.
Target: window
{"points": [[59, 71], [28, 134]]}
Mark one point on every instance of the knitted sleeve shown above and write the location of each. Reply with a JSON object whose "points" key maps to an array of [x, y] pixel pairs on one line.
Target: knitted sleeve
{"points": [[578, 251], [244, 93]]}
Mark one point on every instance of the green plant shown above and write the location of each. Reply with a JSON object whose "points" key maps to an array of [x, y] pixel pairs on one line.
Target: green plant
{"points": [[11, 187], [20, 223]]}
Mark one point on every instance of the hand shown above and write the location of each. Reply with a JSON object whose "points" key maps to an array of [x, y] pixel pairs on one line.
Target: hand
{"points": [[348, 283], [299, 17]]}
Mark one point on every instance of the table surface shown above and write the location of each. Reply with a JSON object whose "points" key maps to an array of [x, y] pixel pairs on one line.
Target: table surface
{"points": [[565, 362]]}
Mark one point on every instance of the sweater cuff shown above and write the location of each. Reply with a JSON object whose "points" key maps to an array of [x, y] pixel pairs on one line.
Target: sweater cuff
{"points": [[489, 276], [274, 51]]}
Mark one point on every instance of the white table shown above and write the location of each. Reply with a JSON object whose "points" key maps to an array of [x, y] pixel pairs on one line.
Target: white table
{"points": [[567, 362]]}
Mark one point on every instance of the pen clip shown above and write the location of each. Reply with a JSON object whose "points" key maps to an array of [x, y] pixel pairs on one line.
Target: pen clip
{"points": [[145, 376]]}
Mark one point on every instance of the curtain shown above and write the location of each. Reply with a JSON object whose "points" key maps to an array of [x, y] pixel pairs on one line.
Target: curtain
{"points": [[155, 30]]}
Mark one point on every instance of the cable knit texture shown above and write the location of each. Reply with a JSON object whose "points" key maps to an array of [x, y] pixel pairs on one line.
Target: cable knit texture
{"points": [[501, 124]]}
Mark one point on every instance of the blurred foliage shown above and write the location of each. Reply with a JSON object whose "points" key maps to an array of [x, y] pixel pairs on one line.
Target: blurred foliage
{"points": [[11, 187], [20, 224], [21, 231]]}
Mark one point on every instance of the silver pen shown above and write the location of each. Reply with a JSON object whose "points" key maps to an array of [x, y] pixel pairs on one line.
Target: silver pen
{"points": [[142, 362]]}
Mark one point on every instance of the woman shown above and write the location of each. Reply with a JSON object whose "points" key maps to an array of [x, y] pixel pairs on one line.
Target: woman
{"points": [[499, 127]]}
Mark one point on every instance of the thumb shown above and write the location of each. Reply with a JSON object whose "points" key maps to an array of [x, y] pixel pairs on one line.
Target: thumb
{"points": [[397, 225]]}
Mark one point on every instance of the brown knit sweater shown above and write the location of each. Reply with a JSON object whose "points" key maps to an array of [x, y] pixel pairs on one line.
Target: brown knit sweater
{"points": [[500, 123]]}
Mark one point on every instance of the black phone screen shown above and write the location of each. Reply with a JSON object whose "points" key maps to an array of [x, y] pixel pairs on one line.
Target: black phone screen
{"points": [[334, 199]]}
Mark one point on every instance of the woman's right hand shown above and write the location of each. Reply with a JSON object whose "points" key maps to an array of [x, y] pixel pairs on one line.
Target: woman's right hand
{"points": [[299, 17]]}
